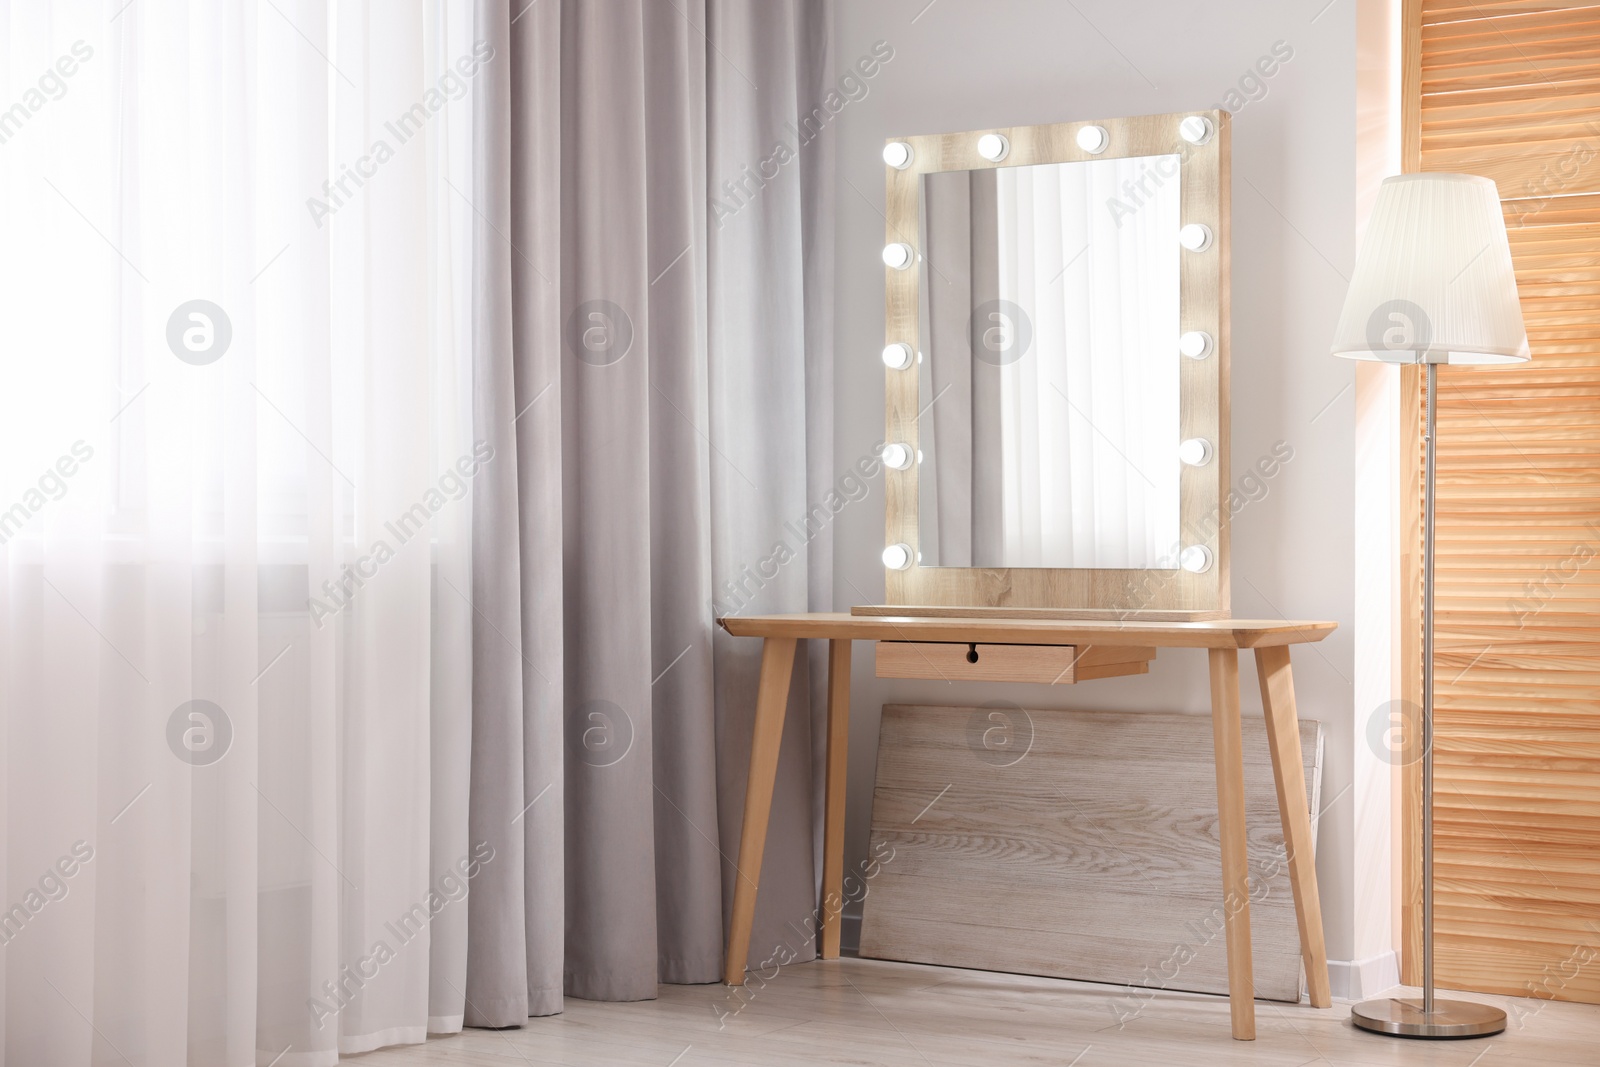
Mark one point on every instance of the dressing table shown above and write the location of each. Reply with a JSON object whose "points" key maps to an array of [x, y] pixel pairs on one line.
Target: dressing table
{"points": [[1057, 470], [1076, 642]]}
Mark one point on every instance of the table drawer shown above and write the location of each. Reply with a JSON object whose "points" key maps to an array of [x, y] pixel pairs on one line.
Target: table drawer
{"points": [[1045, 664]]}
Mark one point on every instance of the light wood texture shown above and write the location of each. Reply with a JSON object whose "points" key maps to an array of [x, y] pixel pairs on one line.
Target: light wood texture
{"points": [[1410, 85], [937, 611], [1205, 182], [855, 1013], [1294, 811], [772, 698], [1220, 633], [1044, 664], [1229, 751], [833, 815], [1077, 844], [1510, 90]]}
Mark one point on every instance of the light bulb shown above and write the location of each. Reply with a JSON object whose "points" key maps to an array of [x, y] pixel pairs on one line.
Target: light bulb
{"points": [[1196, 559], [993, 147], [897, 255], [897, 154], [1093, 139], [1196, 451], [897, 557], [897, 356], [1196, 237], [897, 456], [1196, 344], [1196, 129]]}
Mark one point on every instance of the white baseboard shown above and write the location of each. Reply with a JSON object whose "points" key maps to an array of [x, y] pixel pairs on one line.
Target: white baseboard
{"points": [[1364, 979]]}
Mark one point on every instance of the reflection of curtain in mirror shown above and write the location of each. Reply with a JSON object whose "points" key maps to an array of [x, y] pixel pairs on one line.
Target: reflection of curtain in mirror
{"points": [[1089, 414], [960, 488]]}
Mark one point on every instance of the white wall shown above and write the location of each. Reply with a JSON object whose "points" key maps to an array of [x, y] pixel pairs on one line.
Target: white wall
{"points": [[1375, 894], [970, 64]]}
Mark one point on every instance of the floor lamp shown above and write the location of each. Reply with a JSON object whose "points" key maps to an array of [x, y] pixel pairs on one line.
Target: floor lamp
{"points": [[1433, 284]]}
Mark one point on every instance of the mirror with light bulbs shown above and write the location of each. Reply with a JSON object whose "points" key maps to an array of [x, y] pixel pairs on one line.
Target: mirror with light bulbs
{"points": [[1056, 356]]}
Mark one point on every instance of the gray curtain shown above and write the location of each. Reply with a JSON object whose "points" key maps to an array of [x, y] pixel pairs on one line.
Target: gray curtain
{"points": [[654, 352], [960, 523]]}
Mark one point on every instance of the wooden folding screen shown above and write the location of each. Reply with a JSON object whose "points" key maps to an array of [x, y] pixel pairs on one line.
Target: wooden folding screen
{"points": [[1511, 89]]}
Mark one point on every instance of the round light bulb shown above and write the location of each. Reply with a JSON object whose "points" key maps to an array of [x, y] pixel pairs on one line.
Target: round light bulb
{"points": [[1196, 129], [1196, 559], [897, 255], [1196, 451], [897, 154], [897, 557], [897, 356], [897, 456], [993, 147], [1196, 344], [1196, 237], [1093, 139]]}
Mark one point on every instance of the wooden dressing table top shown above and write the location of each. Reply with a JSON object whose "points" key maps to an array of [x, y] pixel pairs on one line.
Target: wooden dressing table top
{"points": [[1216, 633]]}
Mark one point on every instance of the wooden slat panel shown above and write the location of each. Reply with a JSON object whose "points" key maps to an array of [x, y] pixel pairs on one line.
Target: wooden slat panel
{"points": [[1518, 172], [1088, 849], [1437, 11], [1446, 38], [1511, 90]]}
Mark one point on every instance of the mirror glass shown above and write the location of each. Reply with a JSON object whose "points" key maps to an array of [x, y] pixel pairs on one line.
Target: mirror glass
{"points": [[1048, 417]]}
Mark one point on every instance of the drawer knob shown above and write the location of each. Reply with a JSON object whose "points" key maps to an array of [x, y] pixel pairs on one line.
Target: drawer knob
{"points": [[972, 653]]}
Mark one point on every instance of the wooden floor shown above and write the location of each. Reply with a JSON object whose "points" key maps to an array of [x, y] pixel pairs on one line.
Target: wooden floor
{"points": [[863, 1012]]}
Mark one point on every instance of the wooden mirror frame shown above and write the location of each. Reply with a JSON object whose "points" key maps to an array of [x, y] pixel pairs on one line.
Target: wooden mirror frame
{"points": [[1153, 594]]}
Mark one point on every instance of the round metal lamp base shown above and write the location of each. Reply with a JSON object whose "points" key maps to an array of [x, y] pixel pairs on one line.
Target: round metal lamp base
{"points": [[1404, 1017]]}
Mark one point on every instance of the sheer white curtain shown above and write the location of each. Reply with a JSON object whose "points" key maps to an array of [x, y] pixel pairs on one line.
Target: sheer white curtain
{"points": [[1089, 426], [234, 639]]}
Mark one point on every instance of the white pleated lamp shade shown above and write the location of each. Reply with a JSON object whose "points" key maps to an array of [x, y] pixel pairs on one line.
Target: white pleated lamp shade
{"points": [[1433, 280]]}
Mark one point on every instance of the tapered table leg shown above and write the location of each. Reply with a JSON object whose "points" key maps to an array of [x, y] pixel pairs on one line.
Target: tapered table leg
{"points": [[1226, 729], [833, 822], [772, 697], [1283, 739]]}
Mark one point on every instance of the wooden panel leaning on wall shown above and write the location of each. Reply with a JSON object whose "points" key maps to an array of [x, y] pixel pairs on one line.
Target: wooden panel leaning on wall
{"points": [[1508, 89], [1075, 844]]}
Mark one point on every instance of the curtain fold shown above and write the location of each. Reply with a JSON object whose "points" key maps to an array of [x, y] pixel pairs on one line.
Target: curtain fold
{"points": [[656, 353], [390, 390], [1087, 427], [234, 676], [961, 371], [1053, 390]]}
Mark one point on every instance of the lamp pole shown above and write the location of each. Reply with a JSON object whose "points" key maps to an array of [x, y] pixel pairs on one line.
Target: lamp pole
{"points": [[1429, 454], [1428, 1017]]}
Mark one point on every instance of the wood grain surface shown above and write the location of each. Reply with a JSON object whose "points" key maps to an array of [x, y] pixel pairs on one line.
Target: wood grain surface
{"points": [[1041, 664], [1216, 633], [1509, 90], [1076, 845]]}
